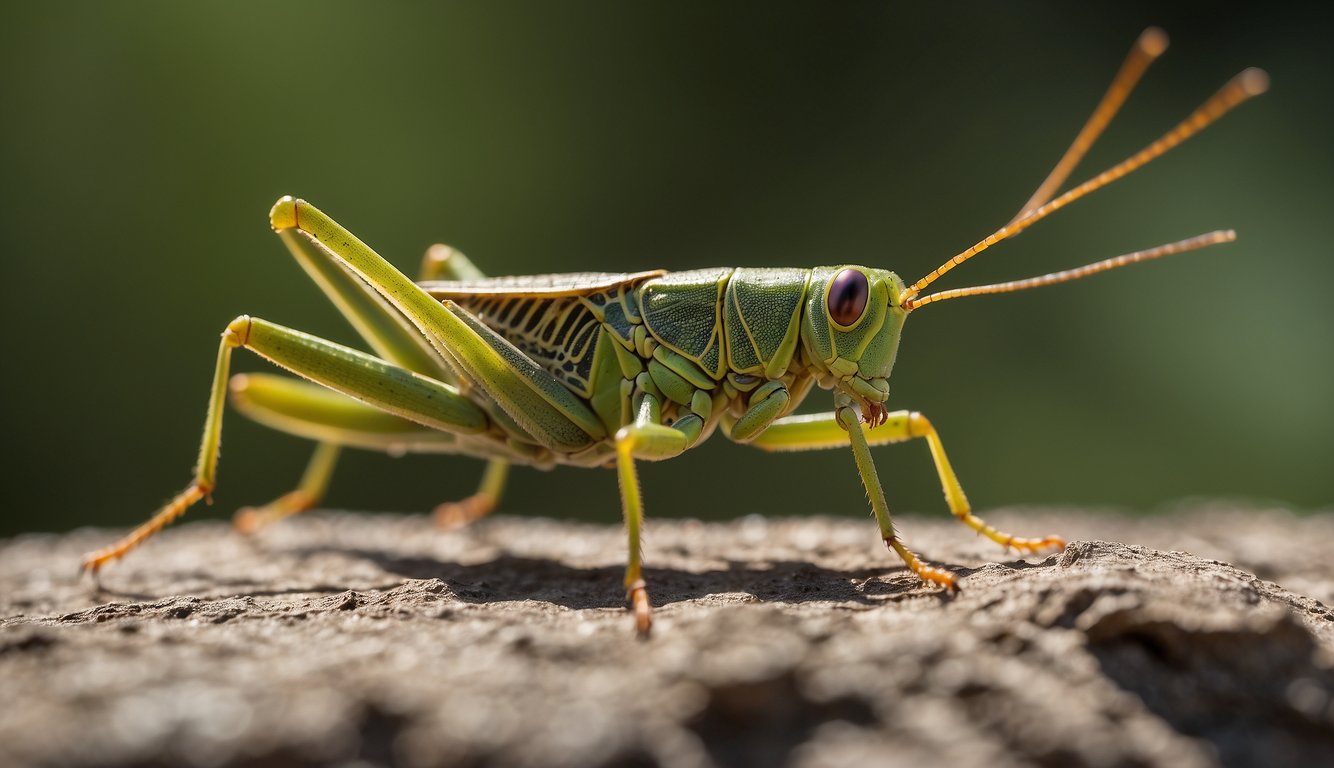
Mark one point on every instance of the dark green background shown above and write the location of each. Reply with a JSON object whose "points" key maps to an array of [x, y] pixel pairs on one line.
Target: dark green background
{"points": [[142, 145]]}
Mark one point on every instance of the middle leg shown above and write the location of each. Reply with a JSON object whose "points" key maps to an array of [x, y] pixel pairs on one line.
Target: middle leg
{"points": [[645, 438], [314, 483], [455, 514]]}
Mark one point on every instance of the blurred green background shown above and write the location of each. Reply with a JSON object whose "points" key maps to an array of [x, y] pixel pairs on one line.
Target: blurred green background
{"points": [[142, 145]]}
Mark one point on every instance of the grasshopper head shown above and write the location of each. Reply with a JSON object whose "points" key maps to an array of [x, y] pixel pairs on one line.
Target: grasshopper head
{"points": [[850, 330]]}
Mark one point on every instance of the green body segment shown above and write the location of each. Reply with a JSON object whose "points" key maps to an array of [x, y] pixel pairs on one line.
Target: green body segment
{"points": [[683, 311], [858, 357], [739, 347], [762, 315]]}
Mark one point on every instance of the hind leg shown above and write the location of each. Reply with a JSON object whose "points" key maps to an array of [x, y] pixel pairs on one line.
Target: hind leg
{"points": [[376, 383]]}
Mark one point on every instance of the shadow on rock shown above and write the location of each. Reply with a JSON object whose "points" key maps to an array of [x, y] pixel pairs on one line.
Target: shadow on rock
{"points": [[509, 577]]}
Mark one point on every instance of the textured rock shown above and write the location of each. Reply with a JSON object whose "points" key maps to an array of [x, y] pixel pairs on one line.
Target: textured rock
{"points": [[354, 639]]}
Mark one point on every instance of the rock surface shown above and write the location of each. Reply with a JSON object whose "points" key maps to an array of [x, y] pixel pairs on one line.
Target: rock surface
{"points": [[355, 640]]}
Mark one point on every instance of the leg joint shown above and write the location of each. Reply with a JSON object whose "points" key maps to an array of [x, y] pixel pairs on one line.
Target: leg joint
{"points": [[919, 425], [284, 215], [237, 332]]}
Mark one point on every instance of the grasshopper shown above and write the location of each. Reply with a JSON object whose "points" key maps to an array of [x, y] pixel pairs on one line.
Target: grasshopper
{"points": [[601, 370]]}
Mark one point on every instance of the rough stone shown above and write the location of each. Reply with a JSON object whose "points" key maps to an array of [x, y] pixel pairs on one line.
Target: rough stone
{"points": [[368, 640]]}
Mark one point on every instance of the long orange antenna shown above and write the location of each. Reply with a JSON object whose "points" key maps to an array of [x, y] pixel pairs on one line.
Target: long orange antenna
{"points": [[1249, 83], [1148, 47], [1212, 238]]}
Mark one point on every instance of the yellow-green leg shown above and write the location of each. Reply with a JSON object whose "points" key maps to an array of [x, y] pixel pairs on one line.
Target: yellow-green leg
{"points": [[646, 438], [849, 418], [532, 397], [395, 312], [310, 492], [444, 263], [455, 514], [302, 409], [206, 468], [393, 338], [919, 426], [843, 427], [374, 382]]}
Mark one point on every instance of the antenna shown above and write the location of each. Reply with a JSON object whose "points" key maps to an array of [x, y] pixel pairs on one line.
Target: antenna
{"points": [[1191, 244], [1148, 47], [1249, 83]]}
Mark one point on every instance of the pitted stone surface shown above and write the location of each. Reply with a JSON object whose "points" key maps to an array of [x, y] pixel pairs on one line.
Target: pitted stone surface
{"points": [[361, 639]]}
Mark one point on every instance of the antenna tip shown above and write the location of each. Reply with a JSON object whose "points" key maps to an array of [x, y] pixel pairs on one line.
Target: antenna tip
{"points": [[1153, 41], [1254, 81]]}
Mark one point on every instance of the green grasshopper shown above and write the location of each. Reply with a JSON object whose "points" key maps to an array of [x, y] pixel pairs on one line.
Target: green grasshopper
{"points": [[599, 370]]}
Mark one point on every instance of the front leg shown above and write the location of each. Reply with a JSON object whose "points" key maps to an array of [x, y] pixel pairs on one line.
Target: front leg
{"points": [[849, 418], [843, 428]]}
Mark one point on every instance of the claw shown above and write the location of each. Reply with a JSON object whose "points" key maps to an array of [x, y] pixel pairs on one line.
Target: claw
{"points": [[874, 413], [1037, 545], [938, 576], [456, 514], [637, 595], [929, 574]]}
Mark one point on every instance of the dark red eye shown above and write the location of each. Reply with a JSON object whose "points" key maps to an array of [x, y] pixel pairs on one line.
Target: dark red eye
{"points": [[847, 297]]}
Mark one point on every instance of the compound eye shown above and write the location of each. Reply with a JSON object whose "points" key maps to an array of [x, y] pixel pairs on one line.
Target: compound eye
{"points": [[847, 297]]}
